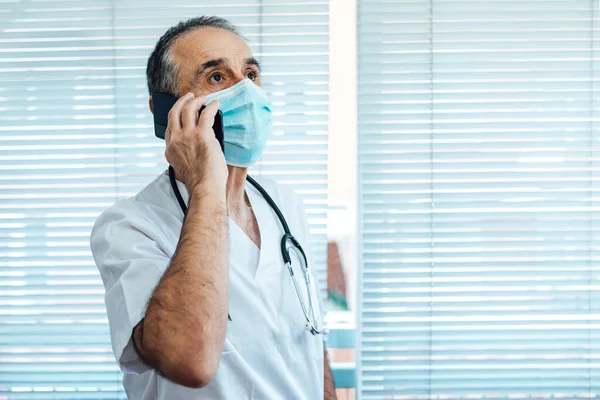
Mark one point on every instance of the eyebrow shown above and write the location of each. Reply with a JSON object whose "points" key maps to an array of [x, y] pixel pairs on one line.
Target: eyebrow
{"points": [[217, 62], [253, 61]]}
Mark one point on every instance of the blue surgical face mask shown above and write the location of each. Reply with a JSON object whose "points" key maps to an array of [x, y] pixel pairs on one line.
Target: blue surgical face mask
{"points": [[246, 122]]}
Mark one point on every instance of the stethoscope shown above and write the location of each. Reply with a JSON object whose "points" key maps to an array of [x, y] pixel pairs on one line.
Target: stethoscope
{"points": [[285, 250]]}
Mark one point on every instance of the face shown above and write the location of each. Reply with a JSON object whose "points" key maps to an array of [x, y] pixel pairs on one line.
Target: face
{"points": [[212, 59]]}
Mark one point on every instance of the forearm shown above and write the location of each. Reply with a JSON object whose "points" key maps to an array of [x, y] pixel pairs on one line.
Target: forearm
{"points": [[329, 386], [186, 317]]}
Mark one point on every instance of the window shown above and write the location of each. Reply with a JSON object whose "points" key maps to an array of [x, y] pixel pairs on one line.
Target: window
{"points": [[77, 136], [478, 188]]}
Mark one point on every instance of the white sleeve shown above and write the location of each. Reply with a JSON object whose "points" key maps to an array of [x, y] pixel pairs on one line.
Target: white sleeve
{"points": [[131, 263]]}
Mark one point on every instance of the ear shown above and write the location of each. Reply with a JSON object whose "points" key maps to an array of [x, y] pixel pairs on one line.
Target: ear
{"points": [[150, 105]]}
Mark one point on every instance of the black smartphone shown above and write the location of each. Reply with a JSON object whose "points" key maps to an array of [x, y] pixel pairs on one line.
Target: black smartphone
{"points": [[162, 104]]}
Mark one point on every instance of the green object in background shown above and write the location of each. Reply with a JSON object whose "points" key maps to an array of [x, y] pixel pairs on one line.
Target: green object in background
{"points": [[338, 299]]}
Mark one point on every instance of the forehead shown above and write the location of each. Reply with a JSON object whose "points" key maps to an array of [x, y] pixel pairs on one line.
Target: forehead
{"points": [[208, 43]]}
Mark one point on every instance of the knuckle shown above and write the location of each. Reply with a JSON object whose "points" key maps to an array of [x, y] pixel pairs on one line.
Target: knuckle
{"points": [[189, 106], [205, 120]]}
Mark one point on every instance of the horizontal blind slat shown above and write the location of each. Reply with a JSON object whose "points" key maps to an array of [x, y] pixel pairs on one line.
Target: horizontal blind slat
{"points": [[79, 136], [476, 147]]}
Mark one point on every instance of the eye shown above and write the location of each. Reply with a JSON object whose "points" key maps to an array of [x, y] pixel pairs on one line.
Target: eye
{"points": [[216, 78], [252, 75]]}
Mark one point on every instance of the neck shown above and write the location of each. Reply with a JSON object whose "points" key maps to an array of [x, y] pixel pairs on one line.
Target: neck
{"points": [[235, 185]]}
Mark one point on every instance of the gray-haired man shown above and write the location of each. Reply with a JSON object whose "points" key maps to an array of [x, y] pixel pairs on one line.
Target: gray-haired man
{"points": [[172, 281]]}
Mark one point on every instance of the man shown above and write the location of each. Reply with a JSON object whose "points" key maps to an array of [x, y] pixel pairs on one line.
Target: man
{"points": [[204, 307]]}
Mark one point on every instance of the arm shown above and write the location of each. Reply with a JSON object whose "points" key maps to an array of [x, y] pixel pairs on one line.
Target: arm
{"points": [[329, 386], [183, 331]]}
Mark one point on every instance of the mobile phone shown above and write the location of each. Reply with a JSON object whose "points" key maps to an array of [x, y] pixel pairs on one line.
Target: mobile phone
{"points": [[162, 104]]}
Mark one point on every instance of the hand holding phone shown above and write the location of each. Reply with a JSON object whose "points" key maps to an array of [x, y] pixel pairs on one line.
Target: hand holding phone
{"points": [[162, 104], [193, 147]]}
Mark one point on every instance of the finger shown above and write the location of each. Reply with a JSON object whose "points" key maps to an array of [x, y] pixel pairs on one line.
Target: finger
{"points": [[207, 118], [189, 114], [174, 120]]}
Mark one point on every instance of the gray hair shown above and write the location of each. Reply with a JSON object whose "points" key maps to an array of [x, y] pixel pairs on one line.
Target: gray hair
{"points": [[161, 71]]}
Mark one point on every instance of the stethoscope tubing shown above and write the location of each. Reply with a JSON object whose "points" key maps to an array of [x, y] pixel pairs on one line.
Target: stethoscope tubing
{"points": [[285, 250]]}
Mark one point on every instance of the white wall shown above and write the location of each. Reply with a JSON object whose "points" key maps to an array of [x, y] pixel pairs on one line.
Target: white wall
{"points": [[342, 135]]}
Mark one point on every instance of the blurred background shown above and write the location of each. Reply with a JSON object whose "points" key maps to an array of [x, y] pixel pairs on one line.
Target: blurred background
{"points": [[445, 151]]}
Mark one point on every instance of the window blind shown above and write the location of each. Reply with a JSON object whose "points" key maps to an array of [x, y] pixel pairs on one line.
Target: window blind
{"points": [[77, 136], [478, 189]]}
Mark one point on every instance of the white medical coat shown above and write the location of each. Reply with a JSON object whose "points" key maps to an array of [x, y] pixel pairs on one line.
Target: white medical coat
{"points": [[268, 353]]}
